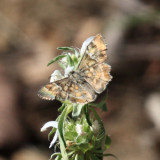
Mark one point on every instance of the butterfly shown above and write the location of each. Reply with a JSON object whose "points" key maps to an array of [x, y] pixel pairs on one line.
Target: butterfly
{"points": [[89, 79]]}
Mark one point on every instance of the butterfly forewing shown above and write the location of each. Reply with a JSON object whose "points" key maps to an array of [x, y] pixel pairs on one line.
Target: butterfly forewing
{"points": [[93, 67], [95, 52]]}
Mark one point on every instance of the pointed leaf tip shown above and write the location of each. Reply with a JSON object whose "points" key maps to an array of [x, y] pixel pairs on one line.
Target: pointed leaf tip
{"points": [[56, 59]]}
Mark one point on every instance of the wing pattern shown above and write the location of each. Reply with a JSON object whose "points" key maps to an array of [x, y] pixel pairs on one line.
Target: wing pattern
{"points": [[66, 89], [98, 76]]}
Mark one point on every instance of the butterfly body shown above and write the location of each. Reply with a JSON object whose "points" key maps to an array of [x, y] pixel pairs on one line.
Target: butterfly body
{"points": [[76, 77], [89, 79]]}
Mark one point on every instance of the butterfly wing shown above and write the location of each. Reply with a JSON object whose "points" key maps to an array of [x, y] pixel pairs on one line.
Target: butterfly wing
{"points": [[93, 51], [81, 93], [92, 66], [54, 90], [67, 89], [98, 76]]}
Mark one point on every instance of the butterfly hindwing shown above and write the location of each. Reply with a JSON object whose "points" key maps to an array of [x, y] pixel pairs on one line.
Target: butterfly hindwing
{"points": [[67, 89], [98, 76], [51, 91]]}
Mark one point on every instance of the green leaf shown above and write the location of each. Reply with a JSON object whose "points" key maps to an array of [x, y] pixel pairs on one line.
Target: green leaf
{"points": [[66, 111], [69, 60], [102, 104], [71, 153], [51, 132], [110, 155], [61, 65], [61, 108], [87, 156], [58, 158], [61, 138], [75, 59], [62, 148], [101, 135], [65, 48], [56, 59], [77, 109], [55, 154], [87, 115], [96, 115], [79, 61], [79, 157], [81, 147], [107, 142], [70, 135]]}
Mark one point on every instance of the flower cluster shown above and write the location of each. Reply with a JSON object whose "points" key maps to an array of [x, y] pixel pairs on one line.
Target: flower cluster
{"points": [[82, 138]]}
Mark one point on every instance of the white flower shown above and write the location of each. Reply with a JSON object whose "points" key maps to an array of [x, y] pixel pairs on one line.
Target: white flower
{"points": [[95, 126], [56, 75], [53, 124], [68, 70], [79, 129]]}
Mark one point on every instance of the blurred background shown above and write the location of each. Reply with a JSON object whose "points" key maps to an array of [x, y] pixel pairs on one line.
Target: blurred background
{"points": [[30, 32]]}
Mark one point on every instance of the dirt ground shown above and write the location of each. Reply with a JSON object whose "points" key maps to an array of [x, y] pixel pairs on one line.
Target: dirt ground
{"points": [[30, 32]]}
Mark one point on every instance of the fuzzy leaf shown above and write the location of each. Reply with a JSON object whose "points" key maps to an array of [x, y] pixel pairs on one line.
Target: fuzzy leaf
{"points": [[56, 59], [87, 115], [55, 154], [69, 60], [96, 115], [58, 158], [107, 142], [77, 110], [61, 65], [81, 147], [65, 48], [79, 157], [75, 59], [61, 138], [66, 111], [61, 108], [51, 132]]}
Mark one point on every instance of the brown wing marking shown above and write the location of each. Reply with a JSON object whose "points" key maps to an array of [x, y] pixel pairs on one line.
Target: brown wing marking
{"points": [[66, 89], [98, 76], [52, 91], [95, 51], [79, 93]]}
